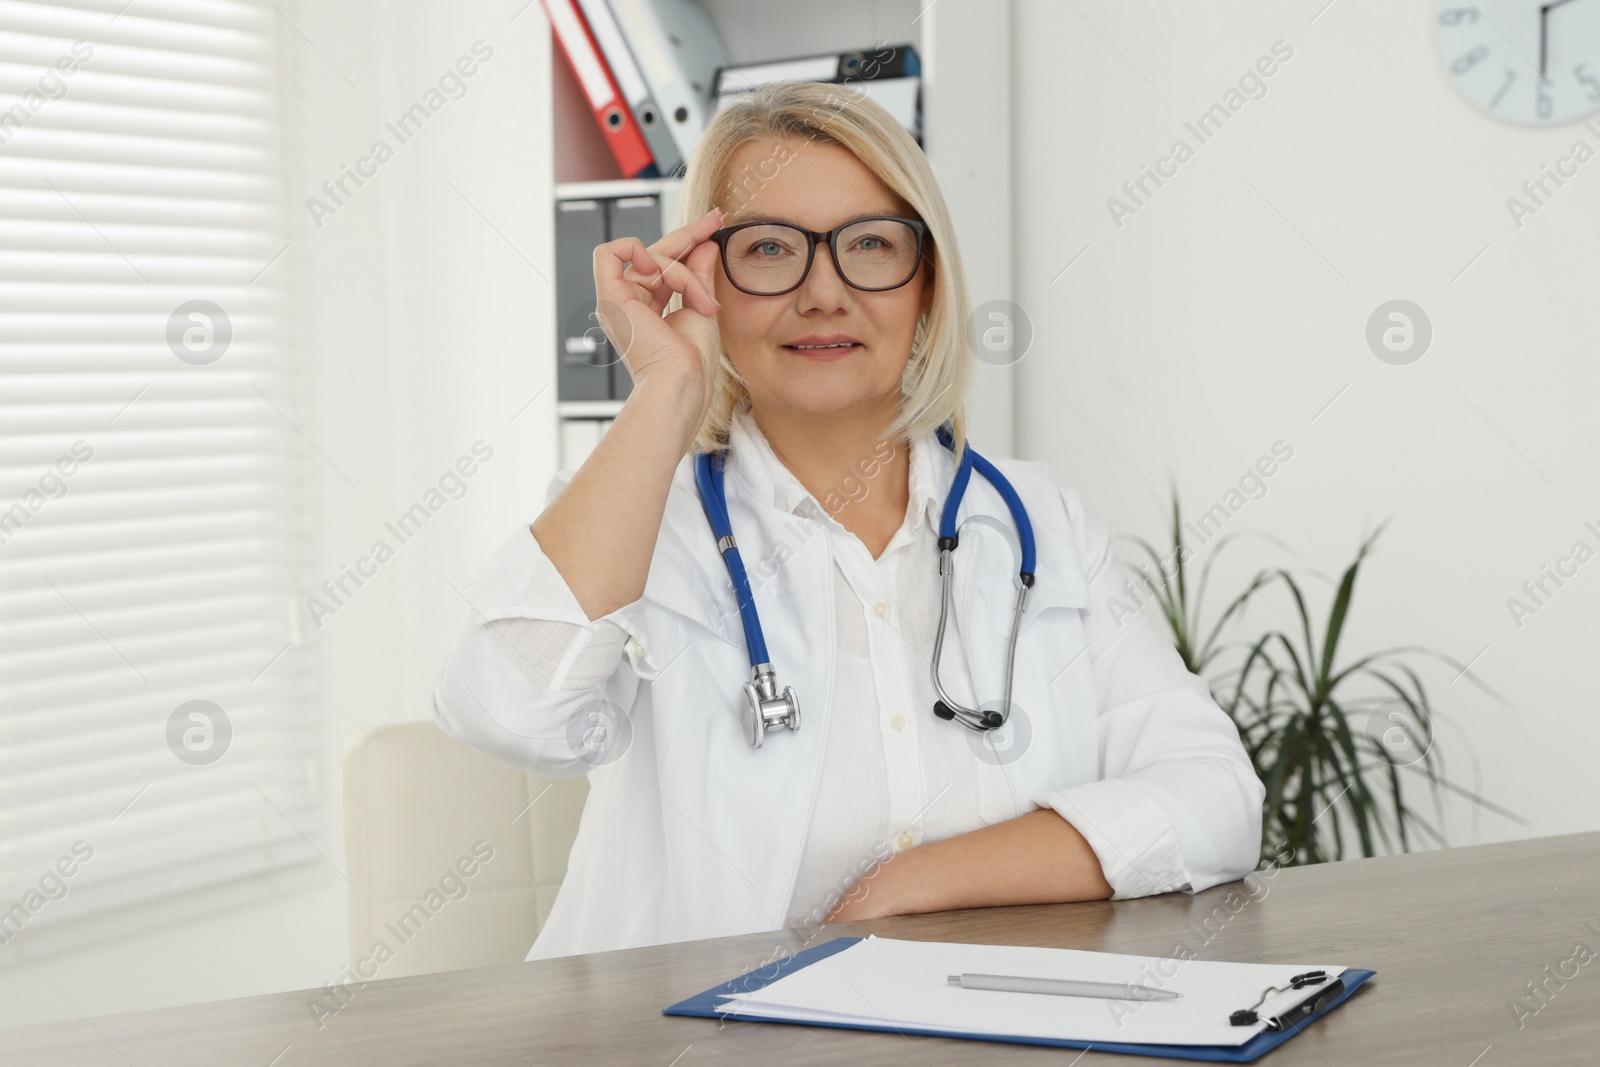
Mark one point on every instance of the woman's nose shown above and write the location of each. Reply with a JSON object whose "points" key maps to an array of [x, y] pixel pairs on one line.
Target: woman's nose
{"points": [[823, 286]]}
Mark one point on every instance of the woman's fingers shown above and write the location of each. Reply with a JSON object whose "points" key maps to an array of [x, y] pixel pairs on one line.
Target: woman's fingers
{"points": [[675, 248], [641, 266], [659, 278], [625, 270], [702, 263], [678, 247], [680, 242], [630, 278], [627, 262], [696, 293]]}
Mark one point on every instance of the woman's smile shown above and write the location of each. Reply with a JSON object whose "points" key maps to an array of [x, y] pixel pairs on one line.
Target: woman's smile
{"points": [[824, 347]]}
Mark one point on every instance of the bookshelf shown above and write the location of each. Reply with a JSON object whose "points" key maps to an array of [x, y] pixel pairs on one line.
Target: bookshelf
{"points": [[965, 46]]}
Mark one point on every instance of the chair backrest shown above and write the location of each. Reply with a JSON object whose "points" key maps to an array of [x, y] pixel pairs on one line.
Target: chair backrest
{"points": [[455, 859]]}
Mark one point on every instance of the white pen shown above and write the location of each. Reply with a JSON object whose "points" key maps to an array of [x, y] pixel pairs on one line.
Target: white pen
{"points": [[1065, 987]]}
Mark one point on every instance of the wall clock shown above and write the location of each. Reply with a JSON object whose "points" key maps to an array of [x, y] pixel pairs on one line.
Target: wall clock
{"points": [[1535, 62]]}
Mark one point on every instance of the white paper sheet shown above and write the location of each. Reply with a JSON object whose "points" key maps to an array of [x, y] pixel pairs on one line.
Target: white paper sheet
{"points": [[887, 982]]}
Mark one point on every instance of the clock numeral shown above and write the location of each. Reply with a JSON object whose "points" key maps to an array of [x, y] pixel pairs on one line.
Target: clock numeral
{"points": [[1511, 76], [1462, 64], [1456, 15], [1581, 73]]}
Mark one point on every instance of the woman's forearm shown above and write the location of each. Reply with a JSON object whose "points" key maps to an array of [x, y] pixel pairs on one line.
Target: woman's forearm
{"points": [[601, 531], [1037, 858]]}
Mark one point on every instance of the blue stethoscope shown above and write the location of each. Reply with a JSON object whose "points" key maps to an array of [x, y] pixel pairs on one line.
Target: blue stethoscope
{"points": [[766, 708]]}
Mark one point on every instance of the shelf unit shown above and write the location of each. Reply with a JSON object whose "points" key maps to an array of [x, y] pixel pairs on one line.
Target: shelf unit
{"points": [[965, 46]]}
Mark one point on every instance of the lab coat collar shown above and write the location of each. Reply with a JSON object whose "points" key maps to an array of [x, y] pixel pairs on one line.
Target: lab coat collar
{"points": [[768, 531], [770, 481]]}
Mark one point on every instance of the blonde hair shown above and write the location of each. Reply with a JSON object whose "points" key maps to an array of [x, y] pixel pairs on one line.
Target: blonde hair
{"points": [[934, 386]]}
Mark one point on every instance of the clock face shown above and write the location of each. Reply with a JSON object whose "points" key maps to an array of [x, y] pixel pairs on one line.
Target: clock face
{"points": [[1529, 61]]}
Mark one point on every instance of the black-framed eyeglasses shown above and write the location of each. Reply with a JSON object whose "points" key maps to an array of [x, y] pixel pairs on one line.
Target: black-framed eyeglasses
{"points": [[871, 254]]}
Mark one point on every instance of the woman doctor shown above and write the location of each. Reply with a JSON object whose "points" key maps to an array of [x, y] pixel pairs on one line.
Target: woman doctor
{"points": [[805, 326]]}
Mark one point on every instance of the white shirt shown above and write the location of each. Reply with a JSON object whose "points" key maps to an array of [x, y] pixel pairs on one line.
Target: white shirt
{"points": [[893, 775]]}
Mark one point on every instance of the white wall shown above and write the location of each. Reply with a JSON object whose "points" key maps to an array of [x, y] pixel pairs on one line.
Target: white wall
{"points": [[1206, 328], [420, 309], [425, 292]]}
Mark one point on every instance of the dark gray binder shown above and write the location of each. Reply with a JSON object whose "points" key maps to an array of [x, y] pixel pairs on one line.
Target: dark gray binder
{"points": [[630, 216], [583, 355]]}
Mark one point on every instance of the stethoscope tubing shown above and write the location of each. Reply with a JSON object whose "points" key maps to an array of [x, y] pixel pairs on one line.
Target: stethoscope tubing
{"points": [[970, 460], [708, 476]]}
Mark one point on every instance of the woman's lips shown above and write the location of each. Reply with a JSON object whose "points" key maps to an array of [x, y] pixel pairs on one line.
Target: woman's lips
{"points": [[826, 352]]}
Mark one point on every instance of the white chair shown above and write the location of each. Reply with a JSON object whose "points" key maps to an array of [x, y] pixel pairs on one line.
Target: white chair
{"points": [[416, 805]]}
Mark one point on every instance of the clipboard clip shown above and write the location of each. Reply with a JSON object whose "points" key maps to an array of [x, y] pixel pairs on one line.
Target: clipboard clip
{"points": [[1301, 1011]]}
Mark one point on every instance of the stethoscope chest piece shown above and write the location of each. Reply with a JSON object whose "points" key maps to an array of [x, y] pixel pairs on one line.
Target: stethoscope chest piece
{"points": [[767, 709]]}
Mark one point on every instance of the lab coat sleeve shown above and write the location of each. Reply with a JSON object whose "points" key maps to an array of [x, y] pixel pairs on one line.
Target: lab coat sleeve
{"points": [[531, 669], [562, 655], [1178, 806]]}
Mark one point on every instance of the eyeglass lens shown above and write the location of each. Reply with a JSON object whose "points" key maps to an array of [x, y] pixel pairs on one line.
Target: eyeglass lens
{"points": [[873, 254]]}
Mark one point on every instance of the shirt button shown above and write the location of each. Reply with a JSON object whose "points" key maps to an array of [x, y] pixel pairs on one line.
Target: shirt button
{"points": [[898, 722], [638, 649], [904, 839], [882, 609]]}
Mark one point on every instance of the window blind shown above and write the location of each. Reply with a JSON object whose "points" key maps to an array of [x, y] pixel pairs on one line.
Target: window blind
{"points": [[151, 504]]}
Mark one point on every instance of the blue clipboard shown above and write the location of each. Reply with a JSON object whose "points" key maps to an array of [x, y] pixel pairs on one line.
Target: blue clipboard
{"points": [[703, 1005]]}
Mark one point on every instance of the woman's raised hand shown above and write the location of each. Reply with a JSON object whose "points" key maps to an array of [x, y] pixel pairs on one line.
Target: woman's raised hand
{"points": [[633, 284], [601, 530]]}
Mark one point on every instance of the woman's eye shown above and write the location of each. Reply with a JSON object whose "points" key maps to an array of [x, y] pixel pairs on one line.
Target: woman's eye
{"points": [[767, 249]]}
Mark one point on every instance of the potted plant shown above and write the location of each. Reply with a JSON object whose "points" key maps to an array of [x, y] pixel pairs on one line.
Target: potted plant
{"points": [[1334, 739]]}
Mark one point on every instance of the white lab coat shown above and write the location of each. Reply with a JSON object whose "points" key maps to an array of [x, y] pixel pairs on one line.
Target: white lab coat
{"points": [[695, 834]]}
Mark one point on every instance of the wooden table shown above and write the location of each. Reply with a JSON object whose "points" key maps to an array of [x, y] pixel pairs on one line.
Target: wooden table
{"points": [[1455, 937]]}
